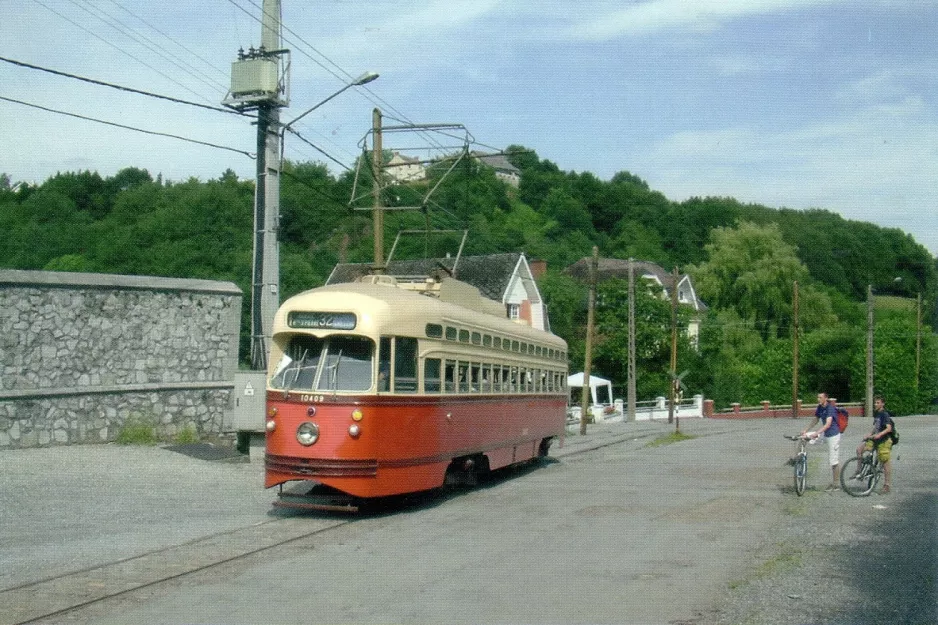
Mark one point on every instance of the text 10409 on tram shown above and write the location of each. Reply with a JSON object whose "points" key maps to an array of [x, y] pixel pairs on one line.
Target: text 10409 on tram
{"points": [[380, 387]]}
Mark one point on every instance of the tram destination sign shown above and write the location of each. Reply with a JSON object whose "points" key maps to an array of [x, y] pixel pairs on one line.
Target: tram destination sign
{"points": [[311, 320]]}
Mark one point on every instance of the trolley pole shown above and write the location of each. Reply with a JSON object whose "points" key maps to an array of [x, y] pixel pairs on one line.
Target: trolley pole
{"points": [[588, 364]]}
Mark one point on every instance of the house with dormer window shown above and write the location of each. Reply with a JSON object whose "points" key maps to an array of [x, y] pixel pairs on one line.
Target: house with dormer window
{"points": [[653, 274]]}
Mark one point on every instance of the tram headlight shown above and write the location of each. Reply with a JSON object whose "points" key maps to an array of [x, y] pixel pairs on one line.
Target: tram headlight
{"points": [[307, 433], [271, 425], [357, 415], [354, 430]]}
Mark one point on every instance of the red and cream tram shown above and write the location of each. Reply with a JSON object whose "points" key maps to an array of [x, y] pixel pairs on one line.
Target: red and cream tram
{"points": [[379, 388]]}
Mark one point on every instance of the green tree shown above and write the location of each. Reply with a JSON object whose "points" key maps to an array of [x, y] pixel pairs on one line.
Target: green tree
{"points": [[750, 269]]}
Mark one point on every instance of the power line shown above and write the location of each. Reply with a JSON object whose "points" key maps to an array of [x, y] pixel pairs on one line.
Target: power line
{"points": [[116, 47], [125, 127], [121, 87], [221, 72], [139, 38]]}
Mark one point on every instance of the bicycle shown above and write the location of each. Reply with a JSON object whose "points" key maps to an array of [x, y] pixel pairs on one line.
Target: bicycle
{"points": [[859, 477], [800, 463]]}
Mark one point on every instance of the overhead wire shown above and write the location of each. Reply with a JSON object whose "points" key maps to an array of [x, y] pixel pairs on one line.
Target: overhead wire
{"points": [[126, 127], [224, 73], [118, 48], [143, 40], [119, 87]]}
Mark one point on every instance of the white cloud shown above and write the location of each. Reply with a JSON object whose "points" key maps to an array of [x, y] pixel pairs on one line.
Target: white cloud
{"points": [[643, 18]]}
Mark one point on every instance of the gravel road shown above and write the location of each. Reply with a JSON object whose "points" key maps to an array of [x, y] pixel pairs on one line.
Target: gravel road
{"points": [[836, 559]]}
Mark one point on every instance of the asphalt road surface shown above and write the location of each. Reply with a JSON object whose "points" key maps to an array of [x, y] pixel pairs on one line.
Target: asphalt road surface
{"points": [[611, 530]]}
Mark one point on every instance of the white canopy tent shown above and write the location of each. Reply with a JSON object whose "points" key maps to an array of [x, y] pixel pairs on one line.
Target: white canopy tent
{"points": [[600, 389]]}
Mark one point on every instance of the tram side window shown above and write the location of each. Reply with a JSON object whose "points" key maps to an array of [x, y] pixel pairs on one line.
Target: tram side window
{"points": [[463, 377], [384, 365], [431, 375], [405, 365], [475, 382], [449, 375]]}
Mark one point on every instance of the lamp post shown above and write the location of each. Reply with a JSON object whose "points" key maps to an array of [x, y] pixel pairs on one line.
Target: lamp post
{"points": [[266, 299], [364, 79]]}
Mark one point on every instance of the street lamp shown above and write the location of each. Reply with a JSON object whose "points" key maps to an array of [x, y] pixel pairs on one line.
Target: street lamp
{"points": [[265, 298], [364, 79]]}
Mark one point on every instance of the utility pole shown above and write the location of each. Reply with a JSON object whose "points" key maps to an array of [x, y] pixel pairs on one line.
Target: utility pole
{"points": [[794, 351], [674, 380], [918, 342], [377, 212], [588, 364], [631, 365], [869, 351], [258, 83]]}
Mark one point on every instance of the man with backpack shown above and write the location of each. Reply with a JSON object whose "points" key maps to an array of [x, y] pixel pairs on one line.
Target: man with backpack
{"points": [[880, 439], [826, 415]]}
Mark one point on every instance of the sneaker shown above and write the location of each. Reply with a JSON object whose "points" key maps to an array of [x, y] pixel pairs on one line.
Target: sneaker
{"points": [[832, 488]]}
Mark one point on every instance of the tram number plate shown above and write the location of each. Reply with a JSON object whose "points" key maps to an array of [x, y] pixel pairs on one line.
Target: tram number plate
{"points": [[314, 399]]}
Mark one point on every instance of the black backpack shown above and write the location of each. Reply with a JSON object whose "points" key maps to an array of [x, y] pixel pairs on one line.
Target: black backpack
{"points": [[893, 434]]}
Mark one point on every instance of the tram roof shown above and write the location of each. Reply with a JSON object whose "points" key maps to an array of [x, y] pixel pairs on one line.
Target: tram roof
{"points": [[491, 273], [407, 307]]}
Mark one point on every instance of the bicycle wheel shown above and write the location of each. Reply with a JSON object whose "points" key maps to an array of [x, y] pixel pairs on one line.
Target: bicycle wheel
{"points": [[858, 486], [801, 473]]}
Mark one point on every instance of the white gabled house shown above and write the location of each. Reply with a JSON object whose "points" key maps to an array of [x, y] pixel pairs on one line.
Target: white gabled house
{"points": [[652, 273]]}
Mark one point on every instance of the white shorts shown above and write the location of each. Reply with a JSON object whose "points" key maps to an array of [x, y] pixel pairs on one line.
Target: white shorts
{"points": [[833, 448]]}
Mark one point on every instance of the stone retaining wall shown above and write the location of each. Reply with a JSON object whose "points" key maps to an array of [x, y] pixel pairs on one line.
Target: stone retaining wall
{"points": [[80, 354]]}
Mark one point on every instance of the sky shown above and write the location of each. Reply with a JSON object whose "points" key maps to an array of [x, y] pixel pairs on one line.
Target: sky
{"points": [[799, 104]]}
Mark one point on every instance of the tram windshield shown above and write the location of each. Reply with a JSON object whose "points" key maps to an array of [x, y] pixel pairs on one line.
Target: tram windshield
{"points": [[335, 363]]}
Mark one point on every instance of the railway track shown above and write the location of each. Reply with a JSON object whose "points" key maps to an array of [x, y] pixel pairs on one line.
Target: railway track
{"points": [[54, 597]]}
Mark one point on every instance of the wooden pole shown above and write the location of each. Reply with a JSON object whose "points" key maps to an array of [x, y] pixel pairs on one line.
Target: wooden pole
{"points": [[378, 212], [869, 351], [674, 381], [588, 358], [631, 398], [918, 343], [794, 351]]}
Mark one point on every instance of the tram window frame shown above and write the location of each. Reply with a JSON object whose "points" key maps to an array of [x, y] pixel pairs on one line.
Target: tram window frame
{"points": [[476, 338], [485, 384], [462, 376], [475, 377], [449, 376], [486, 340], [515, 346], [463, 335], [434, 330], [404, 379], [451, 333], [383, 383], [497, 342], [432, 383]]}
